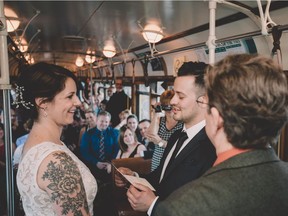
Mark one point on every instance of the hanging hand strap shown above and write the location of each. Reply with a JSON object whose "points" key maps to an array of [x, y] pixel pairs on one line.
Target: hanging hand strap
{"points": [[276, 34]]}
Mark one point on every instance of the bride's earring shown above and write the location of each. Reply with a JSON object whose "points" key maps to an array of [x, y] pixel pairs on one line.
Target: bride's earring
{"points": [[44, 112]]}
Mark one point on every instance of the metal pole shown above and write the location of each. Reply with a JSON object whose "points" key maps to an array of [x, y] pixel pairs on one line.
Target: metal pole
{"points": [[212, 36], [5, 85], [91, 89], [8, 151]]}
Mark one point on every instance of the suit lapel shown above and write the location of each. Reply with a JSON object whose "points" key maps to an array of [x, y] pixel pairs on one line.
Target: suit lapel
{"points": [[193, 144]]}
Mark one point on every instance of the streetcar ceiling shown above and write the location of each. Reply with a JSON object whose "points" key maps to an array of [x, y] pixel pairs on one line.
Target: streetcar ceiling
{"points": [[69, 28]]}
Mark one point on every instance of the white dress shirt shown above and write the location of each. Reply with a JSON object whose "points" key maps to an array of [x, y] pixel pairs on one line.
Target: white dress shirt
{"points": [[191, 132]]}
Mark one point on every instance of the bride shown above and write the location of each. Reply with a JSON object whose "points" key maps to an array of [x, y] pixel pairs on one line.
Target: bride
{"points": [[51, 179]]}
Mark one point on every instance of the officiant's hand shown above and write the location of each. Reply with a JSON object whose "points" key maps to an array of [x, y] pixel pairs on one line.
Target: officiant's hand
{"points": [[119, 182], [140, 197]]}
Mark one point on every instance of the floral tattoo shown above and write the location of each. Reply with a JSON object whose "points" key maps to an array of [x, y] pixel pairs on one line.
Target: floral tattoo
{"points": [[66, 184]]}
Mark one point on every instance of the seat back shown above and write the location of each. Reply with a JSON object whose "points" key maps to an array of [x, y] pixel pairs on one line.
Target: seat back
{"points": [[137, 164]]}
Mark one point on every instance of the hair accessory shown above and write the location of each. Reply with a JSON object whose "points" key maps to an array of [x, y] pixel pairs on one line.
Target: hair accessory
{"points": [[19, 98]]}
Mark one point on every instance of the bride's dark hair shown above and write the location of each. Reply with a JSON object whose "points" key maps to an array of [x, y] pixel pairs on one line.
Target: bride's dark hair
{"points": [[41, 80]]}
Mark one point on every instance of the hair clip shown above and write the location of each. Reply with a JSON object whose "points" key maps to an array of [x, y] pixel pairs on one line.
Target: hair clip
{"points": [[19, 98]]}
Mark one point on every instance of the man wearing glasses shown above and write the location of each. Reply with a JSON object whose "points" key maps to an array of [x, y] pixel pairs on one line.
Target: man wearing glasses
{"points": [[189, 153], [246, 108]]}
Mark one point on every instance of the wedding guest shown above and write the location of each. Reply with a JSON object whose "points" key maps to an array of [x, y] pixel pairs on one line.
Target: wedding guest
{"points": [[99, 146], [132, 123], [118, 102], [129, 145], [144, 124]]}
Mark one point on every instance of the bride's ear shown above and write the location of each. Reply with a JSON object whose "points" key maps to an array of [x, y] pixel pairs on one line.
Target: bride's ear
{"points": [[40, 102]]}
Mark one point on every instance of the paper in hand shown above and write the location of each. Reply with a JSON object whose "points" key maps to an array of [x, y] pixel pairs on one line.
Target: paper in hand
{"points": [[128, 179], [138, 180]]}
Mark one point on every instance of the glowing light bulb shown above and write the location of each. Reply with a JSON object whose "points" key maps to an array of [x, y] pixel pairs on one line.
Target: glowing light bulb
{"points": [[109, 51], [79, 62], [152, 33]]}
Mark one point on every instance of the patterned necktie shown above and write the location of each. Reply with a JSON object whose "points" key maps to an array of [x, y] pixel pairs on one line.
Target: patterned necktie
{"points": [[182, 137], [101, 147]]}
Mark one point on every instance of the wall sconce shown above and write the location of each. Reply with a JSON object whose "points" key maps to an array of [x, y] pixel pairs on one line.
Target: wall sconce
{"points": [[12, 20], [109, 50], [90, 56], [79, 62], [152, 33]]}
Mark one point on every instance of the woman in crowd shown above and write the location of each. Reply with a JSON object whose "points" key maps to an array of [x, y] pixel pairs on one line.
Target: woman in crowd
{"points": [[103, 105], [51, 179], [123, 118], [129, 146], [132, 123], [90, 122]]}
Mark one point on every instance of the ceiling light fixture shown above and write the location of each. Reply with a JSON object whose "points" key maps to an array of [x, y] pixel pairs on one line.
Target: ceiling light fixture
{"points": [[109, 50], [12, 20], [79, 62], [90, 56], [152, 33]]}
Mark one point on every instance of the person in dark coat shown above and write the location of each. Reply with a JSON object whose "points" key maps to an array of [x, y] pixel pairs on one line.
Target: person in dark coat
{"points": [[247, 106], [189, 152], [118, 102]]}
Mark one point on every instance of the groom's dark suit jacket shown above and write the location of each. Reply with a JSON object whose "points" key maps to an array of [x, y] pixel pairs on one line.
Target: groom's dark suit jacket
{"points": [[192, 162]]}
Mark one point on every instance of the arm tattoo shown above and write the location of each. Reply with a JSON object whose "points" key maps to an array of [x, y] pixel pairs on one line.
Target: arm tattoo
{"points": [[66, 184]]}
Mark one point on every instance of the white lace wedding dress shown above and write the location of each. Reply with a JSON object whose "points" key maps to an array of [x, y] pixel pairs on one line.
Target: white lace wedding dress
{"points": [[35, 200]]}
